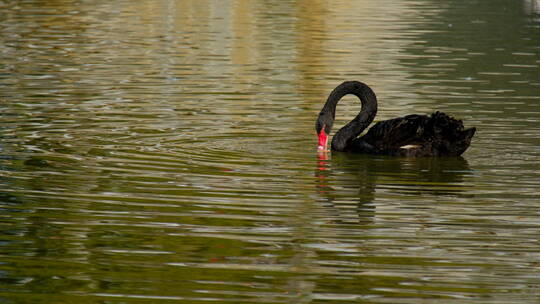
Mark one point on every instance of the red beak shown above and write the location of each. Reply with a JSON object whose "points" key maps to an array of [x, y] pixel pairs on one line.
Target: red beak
{"points": [[323, 141]]}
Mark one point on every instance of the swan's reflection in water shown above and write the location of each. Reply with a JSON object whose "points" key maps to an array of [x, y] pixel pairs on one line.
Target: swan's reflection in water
{"points": [[344, 178]]}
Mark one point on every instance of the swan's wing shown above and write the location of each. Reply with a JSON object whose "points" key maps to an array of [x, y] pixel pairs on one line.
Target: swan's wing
{"points": [[397, 132]]}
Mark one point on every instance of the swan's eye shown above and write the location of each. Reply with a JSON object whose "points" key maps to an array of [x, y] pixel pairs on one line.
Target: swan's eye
{"points": [[319, 126]]}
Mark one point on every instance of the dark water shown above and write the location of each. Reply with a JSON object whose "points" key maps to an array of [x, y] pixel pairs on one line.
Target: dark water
{"points": [[164, 152]]}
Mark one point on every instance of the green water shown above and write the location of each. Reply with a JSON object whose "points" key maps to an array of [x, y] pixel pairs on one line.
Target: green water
{"points": [[165, 152]]}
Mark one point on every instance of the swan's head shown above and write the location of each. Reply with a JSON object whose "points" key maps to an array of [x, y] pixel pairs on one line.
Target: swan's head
{"points": [[323, 128]]}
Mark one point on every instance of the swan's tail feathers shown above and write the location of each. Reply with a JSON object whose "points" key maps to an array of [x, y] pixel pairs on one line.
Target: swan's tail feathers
{"points": [[449, 135], [465, 141], [469, 133]]}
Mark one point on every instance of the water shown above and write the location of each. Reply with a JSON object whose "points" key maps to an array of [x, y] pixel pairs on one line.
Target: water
{"points": [[165, 152]]}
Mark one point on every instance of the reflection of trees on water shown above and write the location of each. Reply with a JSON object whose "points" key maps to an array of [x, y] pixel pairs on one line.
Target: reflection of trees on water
{"points": [[348, 177], [531, 7]]}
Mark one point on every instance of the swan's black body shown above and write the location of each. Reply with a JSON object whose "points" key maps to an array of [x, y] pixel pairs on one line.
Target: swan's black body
{"points": [[411, 135]]}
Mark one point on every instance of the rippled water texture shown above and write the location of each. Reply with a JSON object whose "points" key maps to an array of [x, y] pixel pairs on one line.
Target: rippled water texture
{"points": [[164, 152]]}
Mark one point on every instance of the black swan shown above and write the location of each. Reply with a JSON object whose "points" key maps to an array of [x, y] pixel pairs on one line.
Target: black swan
{"points": [[412, 135]]}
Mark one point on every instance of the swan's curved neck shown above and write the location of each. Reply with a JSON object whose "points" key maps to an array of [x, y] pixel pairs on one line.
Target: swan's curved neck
{"points": [[369, 109]]}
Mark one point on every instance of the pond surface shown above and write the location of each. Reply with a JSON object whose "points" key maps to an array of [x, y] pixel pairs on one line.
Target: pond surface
{"points": [[165, 152]]}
